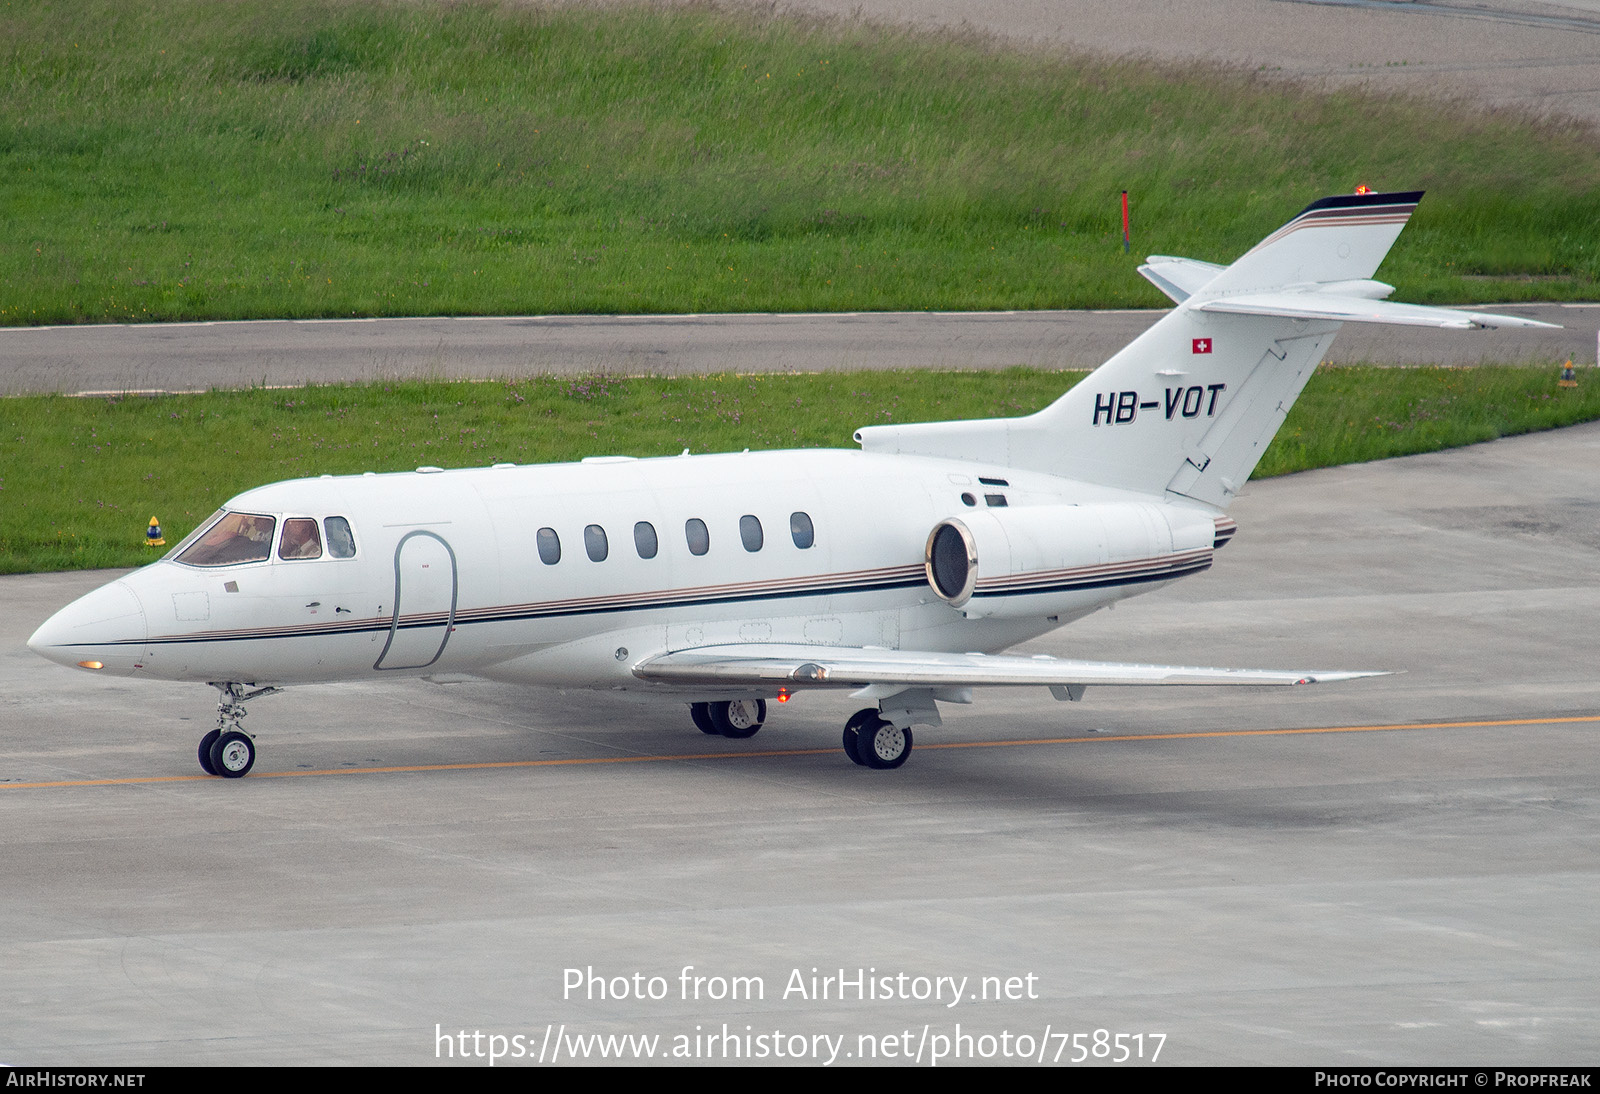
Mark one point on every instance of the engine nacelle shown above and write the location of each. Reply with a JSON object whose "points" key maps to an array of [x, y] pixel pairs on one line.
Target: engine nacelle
{"points": [[1062, 559]]}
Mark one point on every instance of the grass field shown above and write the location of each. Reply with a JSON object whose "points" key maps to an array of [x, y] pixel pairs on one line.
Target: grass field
{"points": [[193, 159], [185, 159], [83, 476]]}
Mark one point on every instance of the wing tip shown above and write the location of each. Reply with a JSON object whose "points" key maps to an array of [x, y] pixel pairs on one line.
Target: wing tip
{"points": [[1336, 677]]}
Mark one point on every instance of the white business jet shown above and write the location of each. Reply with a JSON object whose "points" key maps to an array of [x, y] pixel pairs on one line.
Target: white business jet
{"points": [[898, 572]]}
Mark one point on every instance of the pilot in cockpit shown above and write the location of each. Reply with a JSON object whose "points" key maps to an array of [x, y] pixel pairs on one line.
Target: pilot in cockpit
{"points": [[300, 539], [237, 537], [255, 530]]}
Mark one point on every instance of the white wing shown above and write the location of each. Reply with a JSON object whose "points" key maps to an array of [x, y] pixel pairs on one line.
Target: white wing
{"points": [[858, 667]]}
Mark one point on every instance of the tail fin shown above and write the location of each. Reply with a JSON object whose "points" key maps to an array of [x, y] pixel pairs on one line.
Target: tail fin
{"points": [[1189, 406], [1337, 239]]}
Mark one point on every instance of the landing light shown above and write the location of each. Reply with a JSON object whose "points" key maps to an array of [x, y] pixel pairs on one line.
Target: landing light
{"points": [[91, 664]]}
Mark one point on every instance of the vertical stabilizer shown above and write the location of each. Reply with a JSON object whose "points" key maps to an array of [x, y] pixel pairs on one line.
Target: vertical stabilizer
{"points": [[1337, 239], [1187, 409], [1190, 406]]}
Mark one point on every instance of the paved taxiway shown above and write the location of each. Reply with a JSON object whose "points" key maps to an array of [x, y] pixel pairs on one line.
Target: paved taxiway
{"points": [[1383, 896], [197, 356]]}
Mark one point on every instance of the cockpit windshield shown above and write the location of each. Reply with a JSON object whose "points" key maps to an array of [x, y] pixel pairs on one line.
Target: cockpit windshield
{"points": [[236, 538], [199, 530]]}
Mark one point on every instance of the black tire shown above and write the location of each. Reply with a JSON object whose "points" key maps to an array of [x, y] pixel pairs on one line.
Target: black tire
{"points": [[883, 746], [739, 718], [701, 714], [233, 755], [205, 751], [850, 746], [852, 733]]}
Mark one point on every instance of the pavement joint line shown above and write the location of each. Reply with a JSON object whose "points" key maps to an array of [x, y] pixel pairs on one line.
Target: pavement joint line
{"points": [[765, 754]]}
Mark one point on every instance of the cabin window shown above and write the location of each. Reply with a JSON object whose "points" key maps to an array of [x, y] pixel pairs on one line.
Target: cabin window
{"points": [[594, 542], [801, 531], [300, 539], [644, 539], [341, 544], [236, 538], [549, 546], [750, 533], [694, 531]]}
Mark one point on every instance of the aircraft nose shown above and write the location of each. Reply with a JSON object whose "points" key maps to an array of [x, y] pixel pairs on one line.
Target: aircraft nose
{"points": [[106, 625]]}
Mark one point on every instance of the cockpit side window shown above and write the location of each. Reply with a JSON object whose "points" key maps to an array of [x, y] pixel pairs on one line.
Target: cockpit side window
{"points": [[341, 543], [236, 538], [300, 539]]}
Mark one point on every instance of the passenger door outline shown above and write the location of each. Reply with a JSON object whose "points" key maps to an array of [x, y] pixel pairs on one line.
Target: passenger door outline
{"points": [[414, 645]]}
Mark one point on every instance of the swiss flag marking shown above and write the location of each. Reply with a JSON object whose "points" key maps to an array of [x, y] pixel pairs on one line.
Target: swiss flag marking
{"points": [[1202, 345]]}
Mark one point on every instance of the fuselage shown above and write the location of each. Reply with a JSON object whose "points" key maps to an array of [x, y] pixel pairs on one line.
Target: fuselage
{"points": [[569, 574], [898, 571]]}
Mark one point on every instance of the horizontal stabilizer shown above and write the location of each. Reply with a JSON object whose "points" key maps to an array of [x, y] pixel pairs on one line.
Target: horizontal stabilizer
{"points": [[1357, 309], [852, 667], [1179, 278]]}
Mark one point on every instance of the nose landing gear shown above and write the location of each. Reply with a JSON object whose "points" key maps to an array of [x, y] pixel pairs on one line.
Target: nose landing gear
{"points": [[228, 750]]}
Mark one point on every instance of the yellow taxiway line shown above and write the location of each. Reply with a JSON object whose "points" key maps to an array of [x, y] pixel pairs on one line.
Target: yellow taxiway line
{"points": [[767, 753]]}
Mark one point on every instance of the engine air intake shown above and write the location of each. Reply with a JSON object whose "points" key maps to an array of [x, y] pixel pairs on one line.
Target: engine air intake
{"points": [[952, 562]]}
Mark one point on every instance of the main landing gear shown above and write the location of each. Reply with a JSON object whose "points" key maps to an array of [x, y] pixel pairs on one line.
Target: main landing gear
{"points": [[737, 718], [870, 739], [873, 741], [228, 750]]}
